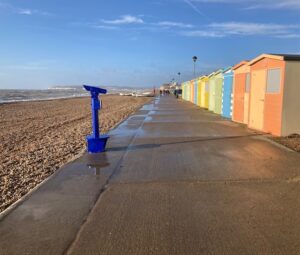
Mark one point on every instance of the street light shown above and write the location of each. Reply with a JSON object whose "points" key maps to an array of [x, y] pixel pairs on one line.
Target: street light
{"points": [[195, 59], [179, 77]]}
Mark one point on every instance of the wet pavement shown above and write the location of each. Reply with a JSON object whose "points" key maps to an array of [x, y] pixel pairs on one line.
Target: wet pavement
{"points": [[176, 179]]}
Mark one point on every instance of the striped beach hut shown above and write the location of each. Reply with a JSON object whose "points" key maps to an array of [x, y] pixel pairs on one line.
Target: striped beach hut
{"points": [[227, 93]]}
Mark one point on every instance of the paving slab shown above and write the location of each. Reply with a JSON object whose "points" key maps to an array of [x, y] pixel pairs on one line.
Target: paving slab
{"points": [[194, 218]]}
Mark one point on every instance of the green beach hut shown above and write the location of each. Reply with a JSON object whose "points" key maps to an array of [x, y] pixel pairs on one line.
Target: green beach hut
{"points": [[218, 91]]}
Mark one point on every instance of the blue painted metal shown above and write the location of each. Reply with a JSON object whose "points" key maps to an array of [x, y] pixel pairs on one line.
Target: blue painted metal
{"points": [[95, 142], [227, 92], [195, 91]]}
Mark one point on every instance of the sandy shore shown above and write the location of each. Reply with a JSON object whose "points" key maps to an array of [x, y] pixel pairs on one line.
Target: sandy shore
{"points": [[36, 138]]}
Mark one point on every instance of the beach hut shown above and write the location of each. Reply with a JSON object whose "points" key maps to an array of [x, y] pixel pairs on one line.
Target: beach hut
{"points": [[275, 94], [195, 91], [204, 80], [211, 82], [227, 93], [183, 91], [215, 91], [199, 92], [241, 89], [187, 91], [218, 91], [192, 91]]}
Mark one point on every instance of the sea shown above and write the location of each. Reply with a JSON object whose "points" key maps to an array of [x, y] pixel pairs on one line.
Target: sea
{"points": [[19, 95]]}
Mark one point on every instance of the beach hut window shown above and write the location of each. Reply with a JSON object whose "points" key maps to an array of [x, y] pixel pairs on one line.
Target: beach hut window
{"points": [[206, 87], [273, 81], [247, 82]]}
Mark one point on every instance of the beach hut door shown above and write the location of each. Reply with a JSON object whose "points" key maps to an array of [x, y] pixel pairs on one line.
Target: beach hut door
{"points": [[258, 91]]}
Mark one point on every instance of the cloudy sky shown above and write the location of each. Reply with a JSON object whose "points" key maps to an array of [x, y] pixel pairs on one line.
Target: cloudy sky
{"points": [[138, 42]]}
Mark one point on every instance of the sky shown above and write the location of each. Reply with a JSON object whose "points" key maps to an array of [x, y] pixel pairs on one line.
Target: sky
{"points": [[139, 43]]}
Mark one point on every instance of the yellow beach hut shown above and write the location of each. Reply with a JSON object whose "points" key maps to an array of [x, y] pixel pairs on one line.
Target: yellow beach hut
{"points": [[183, 90], [188, 91], [204, 80], [199, 93]]}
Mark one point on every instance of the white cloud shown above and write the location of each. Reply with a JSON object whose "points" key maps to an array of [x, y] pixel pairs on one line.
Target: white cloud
{"points": [[25, 11], [246, 29], [288, 36], [202, 33], [105, 27], [174, 24], [126, 19], [256, 4], [196, 9]]}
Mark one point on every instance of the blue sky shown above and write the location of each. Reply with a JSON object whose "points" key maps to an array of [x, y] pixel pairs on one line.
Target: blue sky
{"points": [[139, 42]]}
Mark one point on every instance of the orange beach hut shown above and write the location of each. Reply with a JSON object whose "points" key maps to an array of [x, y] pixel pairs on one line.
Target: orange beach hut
{"points": [[275, 94], [241, 89]]}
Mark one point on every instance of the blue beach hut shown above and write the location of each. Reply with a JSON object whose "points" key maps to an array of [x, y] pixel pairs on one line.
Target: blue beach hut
{"points": [[227, 93]]}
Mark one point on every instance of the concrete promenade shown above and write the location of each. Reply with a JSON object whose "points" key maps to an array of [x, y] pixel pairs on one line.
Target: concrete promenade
{"points": [[175, 179]]}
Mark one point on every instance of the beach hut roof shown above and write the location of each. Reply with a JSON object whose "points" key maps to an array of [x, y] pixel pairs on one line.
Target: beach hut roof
{"points": [[229, 68], [287, 57], [219, 71], [244, 62], [212, 74]]}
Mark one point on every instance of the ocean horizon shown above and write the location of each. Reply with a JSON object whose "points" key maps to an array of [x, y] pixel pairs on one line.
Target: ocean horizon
{"points": [[23, 95]]}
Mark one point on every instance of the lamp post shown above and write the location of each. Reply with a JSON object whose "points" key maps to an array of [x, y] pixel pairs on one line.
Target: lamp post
{"points": [[179, 77], [194, 60]]}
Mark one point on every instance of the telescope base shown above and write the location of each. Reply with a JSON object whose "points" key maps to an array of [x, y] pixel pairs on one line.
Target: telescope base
{"points": [[96, 145]]}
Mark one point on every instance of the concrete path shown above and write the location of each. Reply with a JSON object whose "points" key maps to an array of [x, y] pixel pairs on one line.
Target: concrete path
{"points": [[175, 180]]}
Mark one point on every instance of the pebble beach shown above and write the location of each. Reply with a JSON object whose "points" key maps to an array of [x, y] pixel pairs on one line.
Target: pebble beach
{"points": [[38, 137]]}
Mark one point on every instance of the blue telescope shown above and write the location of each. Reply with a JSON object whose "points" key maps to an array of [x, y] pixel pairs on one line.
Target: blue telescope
{"points": [[95, 142]]}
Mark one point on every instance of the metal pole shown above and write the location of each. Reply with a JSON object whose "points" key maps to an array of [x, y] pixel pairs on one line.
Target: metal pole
{"points": [[195, 59], [95, 116]]}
